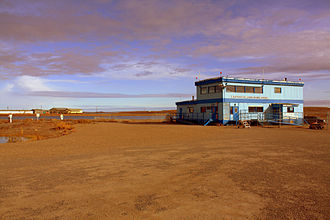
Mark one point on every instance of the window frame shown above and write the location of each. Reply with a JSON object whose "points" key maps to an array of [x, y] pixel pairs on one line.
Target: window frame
{"points": [[205, 89], [255, 109], [290, 109], [278, 90]]}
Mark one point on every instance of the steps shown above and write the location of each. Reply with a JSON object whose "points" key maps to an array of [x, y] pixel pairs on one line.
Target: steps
{"points": [[246, 124]]}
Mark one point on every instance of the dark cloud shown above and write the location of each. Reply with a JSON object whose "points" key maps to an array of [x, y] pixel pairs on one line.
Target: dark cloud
{"points": [[286, 36]]}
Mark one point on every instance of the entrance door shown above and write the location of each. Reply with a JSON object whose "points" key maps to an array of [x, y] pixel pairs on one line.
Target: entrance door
{"points": [[214, 113], [277, 111], [235, 113], [180, 113]]}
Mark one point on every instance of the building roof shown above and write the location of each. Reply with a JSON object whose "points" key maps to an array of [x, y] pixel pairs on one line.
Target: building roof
{"points": [[59, 109], [244, 80]]}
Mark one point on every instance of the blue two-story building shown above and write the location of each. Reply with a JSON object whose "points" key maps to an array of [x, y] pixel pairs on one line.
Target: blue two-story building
{"points": [[226, 100]]}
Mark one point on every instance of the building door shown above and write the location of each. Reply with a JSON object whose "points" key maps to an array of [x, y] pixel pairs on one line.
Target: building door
{"points": [[235, 113], [214, 113], [180, 113], [277, 111]]}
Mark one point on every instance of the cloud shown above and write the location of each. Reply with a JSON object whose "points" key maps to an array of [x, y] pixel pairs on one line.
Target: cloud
{"points": [[70, 94], [144, 69], [282, 36], [32, 84]]}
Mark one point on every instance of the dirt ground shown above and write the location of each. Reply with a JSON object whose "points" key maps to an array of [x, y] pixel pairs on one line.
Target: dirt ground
{"points": [[164, 171]]}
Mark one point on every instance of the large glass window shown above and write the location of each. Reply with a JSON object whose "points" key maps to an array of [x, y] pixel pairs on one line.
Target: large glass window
{"points": [[256, 109], [240, 89], [203, 90], [248, 89], [211, 89], [230, 88], [217, 89], [258, 90]]}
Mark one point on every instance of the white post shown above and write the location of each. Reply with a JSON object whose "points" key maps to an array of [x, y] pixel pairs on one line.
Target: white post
{"points": [[61, 117], [10, 118], [37, 115]]}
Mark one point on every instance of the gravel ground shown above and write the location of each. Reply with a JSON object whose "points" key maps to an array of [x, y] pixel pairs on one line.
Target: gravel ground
{"points": [[163, 171]]}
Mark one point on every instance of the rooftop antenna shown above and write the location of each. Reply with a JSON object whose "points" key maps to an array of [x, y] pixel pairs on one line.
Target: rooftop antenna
{"points": [[263, 74]]}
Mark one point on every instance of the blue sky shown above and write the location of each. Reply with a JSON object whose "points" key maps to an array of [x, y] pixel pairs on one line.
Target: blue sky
{"points": [[144, 55]]}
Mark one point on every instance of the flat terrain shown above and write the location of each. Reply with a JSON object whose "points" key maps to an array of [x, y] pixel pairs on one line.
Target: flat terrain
{"points": [[162, 171]]}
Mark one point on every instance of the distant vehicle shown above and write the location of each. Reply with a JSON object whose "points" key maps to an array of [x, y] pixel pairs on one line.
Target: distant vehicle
{"points": [[315, 122]]}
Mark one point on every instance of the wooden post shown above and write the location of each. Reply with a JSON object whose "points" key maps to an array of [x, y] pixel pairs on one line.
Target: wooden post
{"points": [[327, 120]]}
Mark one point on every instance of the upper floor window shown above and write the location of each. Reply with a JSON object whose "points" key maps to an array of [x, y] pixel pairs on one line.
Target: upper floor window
{"points": [[211, 89], [244, 89], [203, 90], [240, 89], [278, 90], [230, 88]]}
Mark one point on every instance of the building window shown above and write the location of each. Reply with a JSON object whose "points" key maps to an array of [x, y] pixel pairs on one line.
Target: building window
{"points": [[203, 109], [231, 110], [255, 109], [217, 89], [230, 88], [240, 89], [278, 90], [203, 90], [248, 89], [290, 109], [190, 109], [211, 89], [244, 89]]}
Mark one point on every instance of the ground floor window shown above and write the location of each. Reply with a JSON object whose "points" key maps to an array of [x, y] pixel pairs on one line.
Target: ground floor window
{"points": [[190, 109], [203, 109], [256, 109], [290, 109]]}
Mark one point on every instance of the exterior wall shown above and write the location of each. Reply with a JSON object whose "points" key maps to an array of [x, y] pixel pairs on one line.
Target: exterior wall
{"points": [[289, 93]]}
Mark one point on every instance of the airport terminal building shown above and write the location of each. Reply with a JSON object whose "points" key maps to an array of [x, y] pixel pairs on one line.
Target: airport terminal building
{"points": [[227, 100]]}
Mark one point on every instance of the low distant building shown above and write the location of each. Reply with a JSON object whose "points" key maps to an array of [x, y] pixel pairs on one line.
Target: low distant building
{"points": [[40, 111], [58, 111], [65, 111], [11, 112], [75, 111]]}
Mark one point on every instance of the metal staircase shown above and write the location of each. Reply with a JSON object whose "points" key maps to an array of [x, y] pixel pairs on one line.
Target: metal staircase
{"points": [[246, 124]]}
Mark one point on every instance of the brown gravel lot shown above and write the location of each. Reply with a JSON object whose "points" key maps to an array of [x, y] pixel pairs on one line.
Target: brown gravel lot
{"points": [[163, 171]]}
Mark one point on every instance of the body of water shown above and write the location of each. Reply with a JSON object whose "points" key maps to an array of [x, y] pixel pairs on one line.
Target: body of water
{"points": [[12, 139]]}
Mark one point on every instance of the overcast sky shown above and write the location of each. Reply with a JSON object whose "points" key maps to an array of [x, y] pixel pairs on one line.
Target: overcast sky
{"points": [[137, 54]]}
